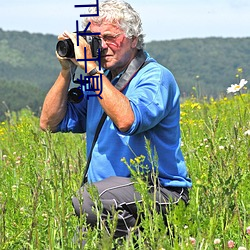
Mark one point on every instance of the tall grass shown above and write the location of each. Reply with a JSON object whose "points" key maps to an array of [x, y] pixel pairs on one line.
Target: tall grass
{"points": [[40, 172]]}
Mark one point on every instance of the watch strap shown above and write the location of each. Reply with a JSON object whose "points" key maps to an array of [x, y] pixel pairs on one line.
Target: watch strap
{"points": [[94, 71]]}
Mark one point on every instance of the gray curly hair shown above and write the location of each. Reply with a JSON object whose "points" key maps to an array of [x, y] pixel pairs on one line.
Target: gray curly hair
{"points": [[120, 13]]}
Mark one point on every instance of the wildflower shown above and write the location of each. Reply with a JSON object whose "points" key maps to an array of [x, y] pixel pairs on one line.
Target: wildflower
{"points": [[137, 159], [195, 106], [248, 230], [192, 240], [242, 248], [247, 133], [45, 216], [216, 241], [198, 182], [240, 70], [132, 162], [237, 87], [230, 244], [71, 167], [221, 147], [14, 188], [123, 160]]}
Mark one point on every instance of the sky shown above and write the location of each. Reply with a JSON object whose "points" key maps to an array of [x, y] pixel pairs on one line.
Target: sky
{"points": [[162, 19]]}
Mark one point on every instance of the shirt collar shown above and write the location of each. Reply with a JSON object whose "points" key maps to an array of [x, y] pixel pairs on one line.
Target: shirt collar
{"points": [[115, 80]]}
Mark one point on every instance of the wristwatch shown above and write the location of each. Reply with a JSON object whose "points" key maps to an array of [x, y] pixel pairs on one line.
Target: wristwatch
{"points": [[94, 71]]}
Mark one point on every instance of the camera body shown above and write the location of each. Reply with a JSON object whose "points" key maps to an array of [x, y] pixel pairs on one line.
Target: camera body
{"points": [[65, 48]]}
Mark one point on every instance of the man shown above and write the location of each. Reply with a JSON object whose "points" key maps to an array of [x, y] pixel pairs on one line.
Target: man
{"points": [[141, 100]]}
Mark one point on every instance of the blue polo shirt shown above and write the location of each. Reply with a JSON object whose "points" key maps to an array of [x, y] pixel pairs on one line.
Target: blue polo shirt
{"points": [[154, 97]]}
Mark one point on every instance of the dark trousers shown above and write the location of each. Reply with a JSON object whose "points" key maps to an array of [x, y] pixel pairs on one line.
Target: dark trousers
{"points": [[119, 194]]}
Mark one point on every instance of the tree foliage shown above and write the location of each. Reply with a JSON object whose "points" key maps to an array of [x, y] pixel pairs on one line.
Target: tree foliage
{"points": [[16, 95], [205, 67]]}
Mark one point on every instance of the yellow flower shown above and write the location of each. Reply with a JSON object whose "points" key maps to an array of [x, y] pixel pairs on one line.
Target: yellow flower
{"points": [[138, 160], [195, 105], [132, 162], [240, 70]]}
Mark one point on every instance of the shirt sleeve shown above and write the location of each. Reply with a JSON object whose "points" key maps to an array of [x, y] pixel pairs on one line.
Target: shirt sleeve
{"points": [[75, 118], [153, 97]]}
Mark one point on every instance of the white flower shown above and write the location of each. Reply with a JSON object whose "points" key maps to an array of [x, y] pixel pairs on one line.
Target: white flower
{"points": [[248, 230], [217, 241], [192, 240], [247, 133], [242, 248], [22, 210], [237, 87]]}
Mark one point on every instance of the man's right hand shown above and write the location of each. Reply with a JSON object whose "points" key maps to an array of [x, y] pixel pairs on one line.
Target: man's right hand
{"points": [[66, 63]]}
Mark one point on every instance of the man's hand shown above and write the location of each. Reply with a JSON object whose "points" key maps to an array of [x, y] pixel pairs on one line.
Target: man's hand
{"points": [[66, 63], [79, 51]]}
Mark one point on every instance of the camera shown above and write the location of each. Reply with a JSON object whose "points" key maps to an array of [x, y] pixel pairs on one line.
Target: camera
{"points": [[65, 48]]}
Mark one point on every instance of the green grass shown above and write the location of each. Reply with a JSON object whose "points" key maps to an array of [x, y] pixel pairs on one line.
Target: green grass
{"points": [[40, 172]]}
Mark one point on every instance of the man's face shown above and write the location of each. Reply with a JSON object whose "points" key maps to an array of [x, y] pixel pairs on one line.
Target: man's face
{"points": [[118, 50]]}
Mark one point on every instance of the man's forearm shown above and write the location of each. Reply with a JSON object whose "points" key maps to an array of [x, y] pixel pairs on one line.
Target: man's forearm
{"points": [[116, 105], [55, 103]]}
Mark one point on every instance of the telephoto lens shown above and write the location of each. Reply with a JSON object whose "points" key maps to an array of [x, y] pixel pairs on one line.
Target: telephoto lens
{"points": [[65, 48]]}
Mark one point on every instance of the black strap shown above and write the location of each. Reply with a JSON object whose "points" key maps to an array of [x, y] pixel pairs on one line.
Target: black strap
{"points": [[136, 64], [97, 132]]}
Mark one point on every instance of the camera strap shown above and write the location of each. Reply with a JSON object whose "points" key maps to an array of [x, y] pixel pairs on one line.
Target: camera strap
{"points": [[136, 64]]}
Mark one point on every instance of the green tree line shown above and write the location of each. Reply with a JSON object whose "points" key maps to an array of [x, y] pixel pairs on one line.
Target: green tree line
{"points": [[204, 67]]}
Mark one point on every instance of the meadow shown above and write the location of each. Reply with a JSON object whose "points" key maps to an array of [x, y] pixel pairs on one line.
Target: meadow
{"points": [[40, 172]]}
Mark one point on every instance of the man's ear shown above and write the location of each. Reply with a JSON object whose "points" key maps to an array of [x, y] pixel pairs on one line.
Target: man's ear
{"points": [[134, 42]]}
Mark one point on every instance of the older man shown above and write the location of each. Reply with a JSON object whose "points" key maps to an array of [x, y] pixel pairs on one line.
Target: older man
{"points": [[141, 100]]}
